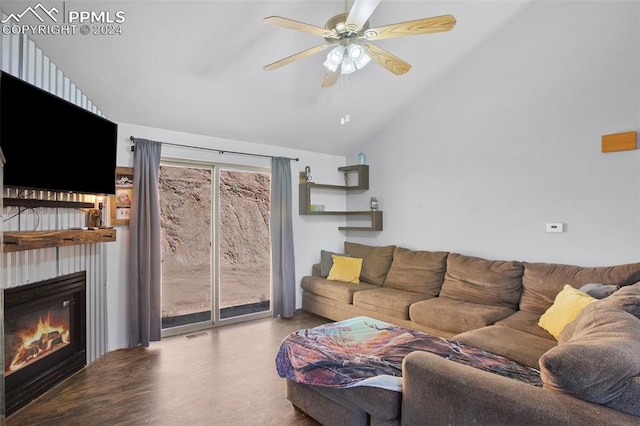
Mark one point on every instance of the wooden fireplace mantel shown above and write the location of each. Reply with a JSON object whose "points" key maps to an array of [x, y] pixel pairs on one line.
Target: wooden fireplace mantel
{"points": [[31, 240]]}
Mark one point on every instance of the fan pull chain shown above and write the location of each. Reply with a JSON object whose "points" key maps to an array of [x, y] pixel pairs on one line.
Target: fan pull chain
{"points": [[345, 119]]}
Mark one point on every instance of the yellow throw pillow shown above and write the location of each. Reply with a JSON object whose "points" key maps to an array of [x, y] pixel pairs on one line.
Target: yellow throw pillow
{"points": [[346, 269], [566, 307]]}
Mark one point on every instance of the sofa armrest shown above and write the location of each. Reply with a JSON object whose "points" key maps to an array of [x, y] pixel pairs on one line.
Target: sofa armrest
{"points": [[440, 391]]}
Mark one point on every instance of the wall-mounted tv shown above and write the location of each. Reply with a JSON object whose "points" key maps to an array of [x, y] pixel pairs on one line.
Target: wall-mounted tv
{"points": [[51, 144]]}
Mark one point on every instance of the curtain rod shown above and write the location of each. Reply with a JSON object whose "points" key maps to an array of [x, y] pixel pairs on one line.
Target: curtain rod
{"points": [[220, 151]]}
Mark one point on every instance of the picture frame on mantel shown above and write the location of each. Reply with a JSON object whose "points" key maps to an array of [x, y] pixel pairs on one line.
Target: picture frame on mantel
{"points": [[120, 204]]}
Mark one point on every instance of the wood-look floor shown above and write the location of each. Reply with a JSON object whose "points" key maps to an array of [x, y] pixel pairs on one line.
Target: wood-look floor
{"points": [[226, 377]]}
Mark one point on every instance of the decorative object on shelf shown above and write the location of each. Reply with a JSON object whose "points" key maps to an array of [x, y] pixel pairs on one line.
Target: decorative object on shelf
{"points": [[120, 205], [316, 207], [362, 158], [95, 215], [306, 175], [373, 203], [100, 207], [94, 218]]}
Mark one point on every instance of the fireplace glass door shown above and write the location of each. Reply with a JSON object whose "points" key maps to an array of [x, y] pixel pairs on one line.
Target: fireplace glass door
{"points": [[35, 335]]}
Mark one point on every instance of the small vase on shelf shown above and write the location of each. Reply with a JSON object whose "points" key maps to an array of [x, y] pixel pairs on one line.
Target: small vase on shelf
{"points": [[362, 158], [373, 204]]}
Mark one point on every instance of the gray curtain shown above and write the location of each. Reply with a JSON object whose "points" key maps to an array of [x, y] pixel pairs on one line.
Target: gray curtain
{"points": [[283, 268], [144, 272]]}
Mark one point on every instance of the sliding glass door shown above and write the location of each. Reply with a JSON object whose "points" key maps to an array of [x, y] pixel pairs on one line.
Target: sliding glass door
{"points": [[216, 257], [244, 242], [186, 211]]}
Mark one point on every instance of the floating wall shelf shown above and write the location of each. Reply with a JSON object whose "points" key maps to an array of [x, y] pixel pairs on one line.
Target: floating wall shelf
{"points": [[362, 171], [31, 240]]}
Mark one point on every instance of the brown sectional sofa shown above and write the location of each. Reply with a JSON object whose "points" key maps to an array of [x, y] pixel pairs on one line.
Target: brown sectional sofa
{"points": [[491, 304]]}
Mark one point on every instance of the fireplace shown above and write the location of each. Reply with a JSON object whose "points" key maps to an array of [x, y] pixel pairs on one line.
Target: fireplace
{"points": [[45, 340]]}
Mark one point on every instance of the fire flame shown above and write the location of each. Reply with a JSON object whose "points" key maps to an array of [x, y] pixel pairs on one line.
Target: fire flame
{"points": [[46, 338]]}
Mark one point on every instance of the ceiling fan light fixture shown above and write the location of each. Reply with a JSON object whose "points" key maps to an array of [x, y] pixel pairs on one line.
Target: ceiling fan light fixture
{"points": [[355, 51], [334, 58], [364, 60], [348, 66], [358, 55], [348, 37]]}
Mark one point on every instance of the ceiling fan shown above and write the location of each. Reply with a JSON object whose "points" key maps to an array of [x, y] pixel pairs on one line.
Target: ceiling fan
{"points": [[349, 36]]}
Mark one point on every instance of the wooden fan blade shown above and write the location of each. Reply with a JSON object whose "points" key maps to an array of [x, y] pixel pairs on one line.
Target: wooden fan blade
{"points": [[436, 24], [295, 57], [300, 26], [360, 13], [330, 78], [387, 60]]}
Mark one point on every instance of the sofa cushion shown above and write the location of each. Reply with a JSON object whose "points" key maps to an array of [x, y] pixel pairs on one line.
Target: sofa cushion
{"points": [[320, 404], [417, 271], [334, 290], [382, 404], [526, 322], [629, 400], [481, 281], [455, 316], [388, 301], [346, 269], [566, 307], [543, 281], [326, 261], [600, 362], [627, 299], [519, 346], [376, 260], [599, 291]]}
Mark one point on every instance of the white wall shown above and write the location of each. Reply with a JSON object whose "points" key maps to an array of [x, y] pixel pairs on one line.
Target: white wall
{"points": [[311, 234], [511, 139]]}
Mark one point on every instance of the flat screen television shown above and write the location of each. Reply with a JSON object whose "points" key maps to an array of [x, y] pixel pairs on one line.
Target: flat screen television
{"points": [[52, 144]]}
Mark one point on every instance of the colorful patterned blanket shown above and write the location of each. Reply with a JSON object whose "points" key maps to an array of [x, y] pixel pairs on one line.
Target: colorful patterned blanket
{"points": [[364, 351]]}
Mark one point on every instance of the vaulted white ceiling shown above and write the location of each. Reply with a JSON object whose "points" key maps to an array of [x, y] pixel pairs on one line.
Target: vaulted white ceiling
{"points": [[196, 67]]}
